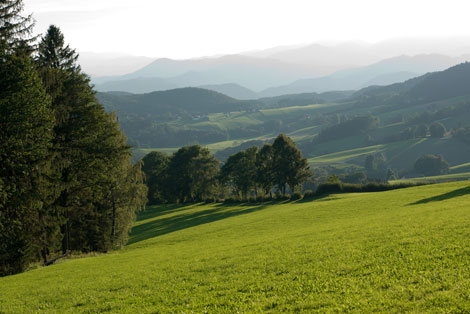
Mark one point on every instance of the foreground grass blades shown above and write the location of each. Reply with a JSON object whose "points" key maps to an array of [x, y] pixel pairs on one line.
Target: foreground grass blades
{"points": [[397, 251]]}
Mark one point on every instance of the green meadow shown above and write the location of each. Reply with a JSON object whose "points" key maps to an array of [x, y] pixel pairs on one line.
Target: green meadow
{"points": [[398, 251], [436, 179]]}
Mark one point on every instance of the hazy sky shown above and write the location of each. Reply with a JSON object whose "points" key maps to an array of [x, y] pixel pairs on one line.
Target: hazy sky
{"points": [[192, 28]]}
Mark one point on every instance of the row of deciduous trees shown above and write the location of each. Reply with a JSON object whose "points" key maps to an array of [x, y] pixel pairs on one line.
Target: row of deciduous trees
{"points": [[66, 180], [193, 174]]}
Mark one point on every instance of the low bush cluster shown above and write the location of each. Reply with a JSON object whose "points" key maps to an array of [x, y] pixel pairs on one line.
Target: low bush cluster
{"points": [[339, 187]]}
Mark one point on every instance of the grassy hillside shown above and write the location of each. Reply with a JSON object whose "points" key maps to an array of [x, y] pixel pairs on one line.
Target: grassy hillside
{"points": [[391, 252]]}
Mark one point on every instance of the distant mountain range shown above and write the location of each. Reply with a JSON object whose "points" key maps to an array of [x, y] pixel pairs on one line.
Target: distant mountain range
{"points": [[356, 53], [250, 72], [106, 64], [431, 87], [435, 86], [231, 75], [385, 72]]}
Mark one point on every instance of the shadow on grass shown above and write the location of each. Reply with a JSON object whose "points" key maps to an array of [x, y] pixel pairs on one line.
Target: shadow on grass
{"points": [[159, 210], [163, 226], [445, 196], [319, 198]]}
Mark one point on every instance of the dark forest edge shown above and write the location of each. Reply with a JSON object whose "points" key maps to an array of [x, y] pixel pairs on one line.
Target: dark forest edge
{"points": [[67, 183]]}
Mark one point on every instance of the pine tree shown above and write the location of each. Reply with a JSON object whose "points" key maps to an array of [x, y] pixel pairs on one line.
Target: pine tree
{"points": [[25, 137], [15, 29], [90, 153], [54, 54]]}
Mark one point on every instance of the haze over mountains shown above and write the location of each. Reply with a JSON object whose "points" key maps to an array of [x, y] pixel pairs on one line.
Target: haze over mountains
{"points": [[184, 116], [281, 70], [105, 64]]}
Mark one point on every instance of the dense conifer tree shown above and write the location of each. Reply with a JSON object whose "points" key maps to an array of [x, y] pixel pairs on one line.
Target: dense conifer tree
{"points": [[25, 136], [90, 153], [15, 29], [65, 169]]}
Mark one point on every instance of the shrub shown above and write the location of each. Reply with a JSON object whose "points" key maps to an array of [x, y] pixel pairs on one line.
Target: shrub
{"points": [[260, 199], [329, 188], [296, 196], [281, 197], [309, 194], [252, 200], [210, 200]]}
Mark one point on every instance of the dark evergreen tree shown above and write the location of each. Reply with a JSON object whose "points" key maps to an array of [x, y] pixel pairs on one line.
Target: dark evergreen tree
{"points": [[89, 152], [15, 29], [54, 54], [26, 124]]}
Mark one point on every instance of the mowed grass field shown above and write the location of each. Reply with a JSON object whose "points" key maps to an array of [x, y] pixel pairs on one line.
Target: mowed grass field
{"points": [[398, 251]]}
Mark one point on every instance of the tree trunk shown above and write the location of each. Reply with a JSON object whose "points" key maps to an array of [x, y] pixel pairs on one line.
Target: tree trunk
{"points": [[65, 228], [113, 229], [44, 254]]}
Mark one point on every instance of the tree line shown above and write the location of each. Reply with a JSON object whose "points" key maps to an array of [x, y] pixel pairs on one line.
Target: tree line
{"points": [[193, 174], [66, 178]]}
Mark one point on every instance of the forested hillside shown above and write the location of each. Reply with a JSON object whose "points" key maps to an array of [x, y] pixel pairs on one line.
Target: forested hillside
{"points": [[431, 87], [332, 128]]}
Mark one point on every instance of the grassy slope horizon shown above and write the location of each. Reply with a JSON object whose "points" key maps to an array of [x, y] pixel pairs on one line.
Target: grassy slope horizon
{"points": [[396, 251]]}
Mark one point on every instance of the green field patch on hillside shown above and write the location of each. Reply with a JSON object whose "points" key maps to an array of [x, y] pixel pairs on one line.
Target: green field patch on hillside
{"points": [[436, 179], [346, 155], [387, 252], [460, 168], [295, 109]]}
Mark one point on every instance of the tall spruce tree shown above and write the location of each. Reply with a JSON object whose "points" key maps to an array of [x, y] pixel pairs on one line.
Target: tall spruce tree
{"points": [[90, 153], [15, 29], [54, 54], [25, 137]]}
